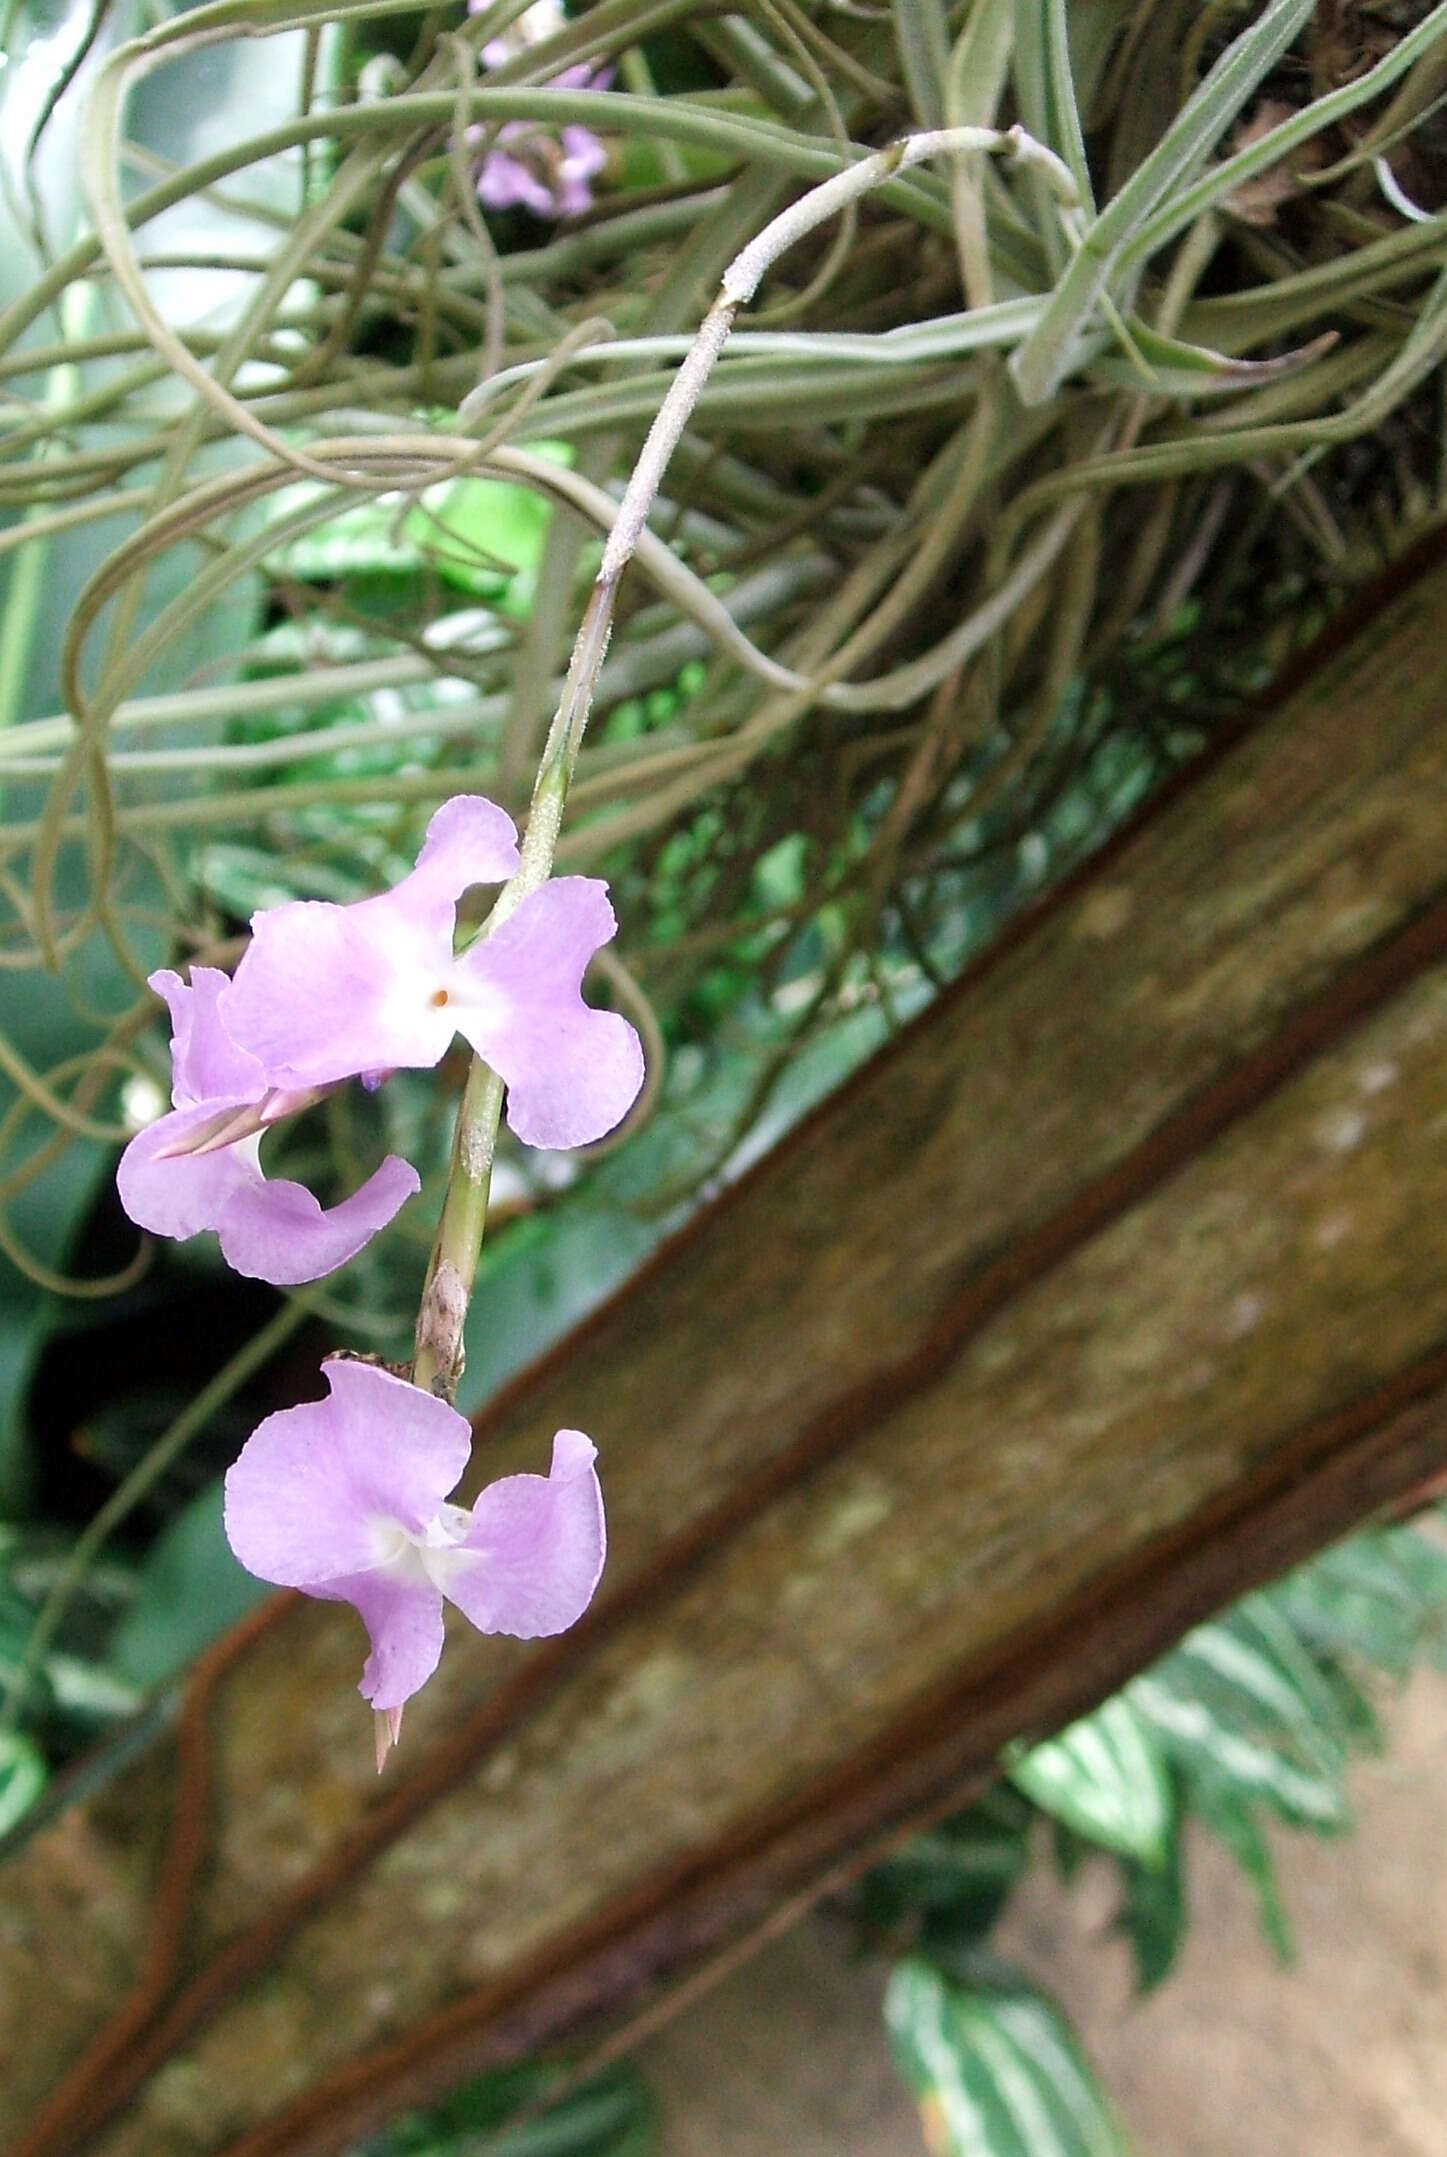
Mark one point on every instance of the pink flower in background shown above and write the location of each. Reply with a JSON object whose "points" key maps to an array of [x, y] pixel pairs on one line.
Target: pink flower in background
{"points": [[327, 992], [270, 1231], [530, 166], [346, 1499]]}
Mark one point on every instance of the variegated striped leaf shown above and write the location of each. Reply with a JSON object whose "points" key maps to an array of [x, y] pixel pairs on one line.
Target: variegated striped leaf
{"points": [[994, 2067], [1105, 1778]]}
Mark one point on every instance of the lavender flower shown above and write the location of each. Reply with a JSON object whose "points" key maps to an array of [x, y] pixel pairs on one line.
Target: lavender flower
{"points": [[346, 1499], [530, 167], [200, 1167], [327, 992]]}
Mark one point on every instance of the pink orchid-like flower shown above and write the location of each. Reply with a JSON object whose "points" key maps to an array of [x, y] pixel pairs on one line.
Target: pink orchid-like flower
{"points": [[346, 1499], [531, 167], [327, 992], [185, 1173]]}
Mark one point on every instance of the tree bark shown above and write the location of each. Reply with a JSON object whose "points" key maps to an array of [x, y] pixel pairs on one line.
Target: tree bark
{"points": [[1112, 1287]]}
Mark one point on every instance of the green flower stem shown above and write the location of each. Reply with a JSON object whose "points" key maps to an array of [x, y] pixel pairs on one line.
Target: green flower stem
{"points": [[438, 1358]]}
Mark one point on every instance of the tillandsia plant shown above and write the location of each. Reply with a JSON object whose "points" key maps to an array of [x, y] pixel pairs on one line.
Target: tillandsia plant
{"points": [[1103, 356], [1101, 351]]}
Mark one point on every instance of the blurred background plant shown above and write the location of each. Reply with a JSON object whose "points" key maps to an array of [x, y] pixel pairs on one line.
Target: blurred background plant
{"points": [[303, 463], [1250, 1723]]}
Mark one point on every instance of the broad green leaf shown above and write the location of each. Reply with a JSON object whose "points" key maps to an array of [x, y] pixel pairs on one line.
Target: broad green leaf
{"points": [[471, 528], [541, 1279], [1356, 1713], [41, 1023], [1379, 1599], [1374, 1562], [245, 878], [1105, 1778], [1272, 1660], [363, 539], [993, 2065], [1244, 1700], [22, 1778], [1207, 1747], [1424, 1562], [479, 535], [45, 1021], [644, 164], [1256, 1694], [71, 1695], [1069, 1850], [1356, 1602]]}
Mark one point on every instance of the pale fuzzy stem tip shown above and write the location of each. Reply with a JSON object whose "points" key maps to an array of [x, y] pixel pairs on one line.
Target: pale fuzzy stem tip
{"points": [[387, 1728]]}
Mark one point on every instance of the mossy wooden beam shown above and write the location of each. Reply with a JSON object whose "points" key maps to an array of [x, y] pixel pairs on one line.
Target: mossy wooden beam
{"points": [[1117, 1284]]}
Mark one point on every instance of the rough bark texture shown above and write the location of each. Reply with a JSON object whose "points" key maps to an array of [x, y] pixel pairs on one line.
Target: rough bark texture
{"points": [[1114, 1286]]}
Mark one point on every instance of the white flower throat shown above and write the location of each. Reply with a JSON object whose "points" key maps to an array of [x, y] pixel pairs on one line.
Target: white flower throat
{"points": [[430, 1558]]}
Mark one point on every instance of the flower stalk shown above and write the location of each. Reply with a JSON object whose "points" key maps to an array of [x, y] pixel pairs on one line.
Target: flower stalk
{"points": [[452, 1269], [438, 1357]]}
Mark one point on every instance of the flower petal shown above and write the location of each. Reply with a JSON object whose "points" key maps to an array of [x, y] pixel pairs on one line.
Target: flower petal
{"points": [[274, 1232], [572, 1073], [470, 840], [506, 183], [326, 992], [404, 1625], [322, 991], [583, 158], [279, 1232], [205, 1061], [317, 1489], [181, 1194], [537, 1544]]}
